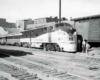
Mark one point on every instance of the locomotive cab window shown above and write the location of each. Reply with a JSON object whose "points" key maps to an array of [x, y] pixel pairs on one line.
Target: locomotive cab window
{"points": [[59, 25]]}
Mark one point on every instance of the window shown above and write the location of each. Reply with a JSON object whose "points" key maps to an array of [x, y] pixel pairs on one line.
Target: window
{"points": [[70, 38], [42, 29], [32, 32], [26, 35], [19, 27], [59, 25], [36, 34], [45, 28], [51, 27]]}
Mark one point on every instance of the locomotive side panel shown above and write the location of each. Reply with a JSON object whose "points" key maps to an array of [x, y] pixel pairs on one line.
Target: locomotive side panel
{"points": [[35, 37], [13, 39]]}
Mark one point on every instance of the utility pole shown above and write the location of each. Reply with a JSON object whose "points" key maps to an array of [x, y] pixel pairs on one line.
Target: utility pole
{"points": [[59, 11]]}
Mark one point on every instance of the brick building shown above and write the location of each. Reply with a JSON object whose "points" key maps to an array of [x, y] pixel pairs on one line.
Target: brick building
{"points": [[4, 23], [10, 25]]}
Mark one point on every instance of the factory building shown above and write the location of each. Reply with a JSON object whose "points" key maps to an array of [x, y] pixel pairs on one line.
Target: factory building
{"points": [[23, 23], [88, 27], [10, 25], [6, 24], [2, 22], [40, 22]]}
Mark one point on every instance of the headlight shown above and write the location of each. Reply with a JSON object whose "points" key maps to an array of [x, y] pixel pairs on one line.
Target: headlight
{"points": [[74, 33]]}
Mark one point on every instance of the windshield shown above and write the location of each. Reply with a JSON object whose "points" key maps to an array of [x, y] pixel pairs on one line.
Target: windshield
{"points": [[66, 27], [63, 24], [59, 24], [70, 32]]}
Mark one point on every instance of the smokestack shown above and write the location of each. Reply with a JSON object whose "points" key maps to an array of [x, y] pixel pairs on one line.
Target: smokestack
{"points": [[59, 11]]}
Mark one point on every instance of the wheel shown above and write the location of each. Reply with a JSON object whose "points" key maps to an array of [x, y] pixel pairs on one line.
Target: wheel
{"points": [[16, 44], [27, 45], [57, 48], [24, 45], [44, 47], [48, 46]]}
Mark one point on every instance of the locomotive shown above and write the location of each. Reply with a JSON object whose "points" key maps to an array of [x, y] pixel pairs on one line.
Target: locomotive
{"points": [[57, 36]]}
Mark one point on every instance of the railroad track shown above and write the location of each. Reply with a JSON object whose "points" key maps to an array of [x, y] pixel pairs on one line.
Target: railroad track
{"points": [[82, 65], [3, 78], [68, 66], [22, 74], [16, 72], [86, 61], [75, 57], [44, 70]]}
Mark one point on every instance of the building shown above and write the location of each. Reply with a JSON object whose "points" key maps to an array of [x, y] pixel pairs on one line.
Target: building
{"points": [[2, 22], [10, 25], [88, 27], [6, 24], [40, 22], [43, 20], [29, 23], [23, 23], [48, 19]]}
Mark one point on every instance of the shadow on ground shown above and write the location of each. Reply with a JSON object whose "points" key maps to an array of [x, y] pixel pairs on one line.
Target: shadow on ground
{"points": [[7, 53]]}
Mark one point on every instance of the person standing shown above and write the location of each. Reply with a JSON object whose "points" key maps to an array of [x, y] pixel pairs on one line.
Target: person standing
{"points": [[79, 45], [87, 47], [83, 46]]}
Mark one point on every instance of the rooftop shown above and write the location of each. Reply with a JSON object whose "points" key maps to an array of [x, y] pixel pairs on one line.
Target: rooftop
{"points": [[2, 31], [87, 17], [13, 30]]}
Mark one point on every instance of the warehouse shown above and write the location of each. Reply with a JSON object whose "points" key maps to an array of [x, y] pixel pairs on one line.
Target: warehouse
{"points": [[88, 27]]}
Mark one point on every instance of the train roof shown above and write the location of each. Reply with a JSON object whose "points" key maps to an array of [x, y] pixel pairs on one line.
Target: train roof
{"points": [[86, 18], [37, 26], [64, 23]]}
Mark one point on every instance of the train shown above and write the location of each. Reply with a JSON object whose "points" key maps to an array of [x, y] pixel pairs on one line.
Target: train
{"points": [[54, 37]]}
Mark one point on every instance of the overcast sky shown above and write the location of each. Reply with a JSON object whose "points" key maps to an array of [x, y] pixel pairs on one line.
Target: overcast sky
{"points": [[14, 10]]}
